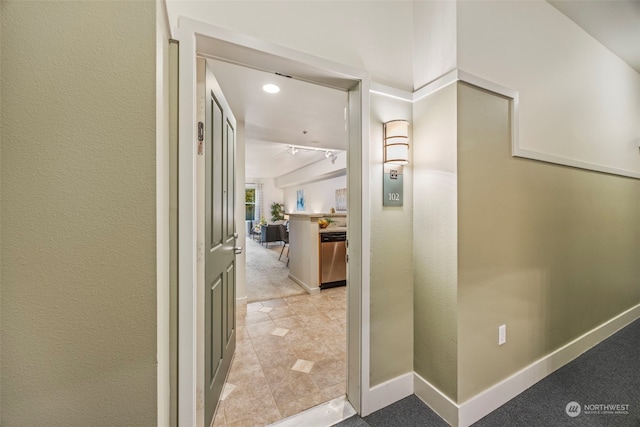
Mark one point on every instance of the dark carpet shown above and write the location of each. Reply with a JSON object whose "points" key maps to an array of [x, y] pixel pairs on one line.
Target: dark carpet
{"points": [[608, 374]]}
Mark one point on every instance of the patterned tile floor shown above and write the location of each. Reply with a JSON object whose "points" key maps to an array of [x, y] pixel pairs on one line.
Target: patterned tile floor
{"points": [[290, 356]]}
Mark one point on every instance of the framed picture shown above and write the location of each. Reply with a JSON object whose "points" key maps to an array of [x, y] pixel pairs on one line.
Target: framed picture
{"points": [[341, 199], [300, 200]]}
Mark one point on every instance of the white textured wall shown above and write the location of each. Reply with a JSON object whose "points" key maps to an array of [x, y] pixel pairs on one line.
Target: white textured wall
{"points": [[577, 99], [78, 214], [320, 196], [372, 35], [434, 40]]}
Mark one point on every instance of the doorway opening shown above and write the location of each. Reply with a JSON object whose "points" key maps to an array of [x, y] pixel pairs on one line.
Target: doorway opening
{"points": [[206, 41], [291, 335]]}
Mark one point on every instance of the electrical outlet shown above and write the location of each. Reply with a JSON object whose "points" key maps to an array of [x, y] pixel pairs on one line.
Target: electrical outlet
{"points": [[502, 334]]}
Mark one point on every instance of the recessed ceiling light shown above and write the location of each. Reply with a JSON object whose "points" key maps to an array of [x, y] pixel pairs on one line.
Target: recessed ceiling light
{"points": [[271, 88]]}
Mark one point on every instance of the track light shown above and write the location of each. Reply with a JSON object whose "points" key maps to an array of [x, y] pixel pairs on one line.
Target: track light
{"points": [[328, 154]]}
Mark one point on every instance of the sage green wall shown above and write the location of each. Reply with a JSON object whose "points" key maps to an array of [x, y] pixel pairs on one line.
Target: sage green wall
{"points": [[435, 240], [391, 262], [548, 250], [78, 231], [1, 7]]}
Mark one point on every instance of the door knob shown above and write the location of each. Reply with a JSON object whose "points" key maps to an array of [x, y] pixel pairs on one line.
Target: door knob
{"points": [[238, 250]]}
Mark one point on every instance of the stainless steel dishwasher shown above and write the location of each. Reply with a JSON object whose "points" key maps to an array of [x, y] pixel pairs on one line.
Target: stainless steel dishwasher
{"points": [[333, 262]]}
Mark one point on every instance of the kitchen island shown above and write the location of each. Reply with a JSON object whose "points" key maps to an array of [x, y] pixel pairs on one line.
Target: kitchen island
{"points": [[304, 247]]}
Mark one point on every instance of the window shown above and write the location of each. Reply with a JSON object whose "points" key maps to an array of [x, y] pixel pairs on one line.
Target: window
{"points": [[250, 202]]}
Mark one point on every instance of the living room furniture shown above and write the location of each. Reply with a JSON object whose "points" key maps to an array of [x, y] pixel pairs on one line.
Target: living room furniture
{"points": [[284, 237], [253, 231], [269, 233]]}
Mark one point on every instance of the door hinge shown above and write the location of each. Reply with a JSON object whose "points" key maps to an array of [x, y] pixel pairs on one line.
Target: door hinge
{"points": [[200, 399], [200, 138], [200, 251]]}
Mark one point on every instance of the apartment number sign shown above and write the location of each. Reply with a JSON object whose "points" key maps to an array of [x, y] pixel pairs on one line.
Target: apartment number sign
{"points": [[392, 186]]}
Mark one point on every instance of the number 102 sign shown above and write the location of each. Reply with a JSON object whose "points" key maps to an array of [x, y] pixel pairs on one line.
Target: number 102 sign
{"points": [[392, 186]]}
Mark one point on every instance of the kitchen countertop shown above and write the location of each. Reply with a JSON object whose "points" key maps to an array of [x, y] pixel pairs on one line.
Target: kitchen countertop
{"points": [[332, 229], [316, 215]]}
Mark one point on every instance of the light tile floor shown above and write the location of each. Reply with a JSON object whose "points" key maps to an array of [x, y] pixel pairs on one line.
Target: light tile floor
{"points": [[290, 356]]}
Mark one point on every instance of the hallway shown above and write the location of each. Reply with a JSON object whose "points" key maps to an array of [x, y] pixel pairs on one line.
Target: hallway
{"points": [[267, 274], [290, 356]]}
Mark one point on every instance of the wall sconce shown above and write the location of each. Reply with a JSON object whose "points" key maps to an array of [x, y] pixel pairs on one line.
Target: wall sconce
{"points": [[396, 154], [396, 142]]}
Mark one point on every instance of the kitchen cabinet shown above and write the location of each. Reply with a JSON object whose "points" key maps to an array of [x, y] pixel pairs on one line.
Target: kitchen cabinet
{"points": [[304, 248]]}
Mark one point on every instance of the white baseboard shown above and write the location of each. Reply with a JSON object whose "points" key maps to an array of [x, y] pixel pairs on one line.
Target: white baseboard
{"points": [[446, 408], [388, 392], [470, 411], [310, 290]]}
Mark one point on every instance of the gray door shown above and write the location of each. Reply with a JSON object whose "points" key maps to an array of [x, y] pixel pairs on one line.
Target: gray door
{"points": [[219, 243]]}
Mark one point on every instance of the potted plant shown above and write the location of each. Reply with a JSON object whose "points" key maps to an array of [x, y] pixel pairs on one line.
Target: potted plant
{"points": [[277, 211]]}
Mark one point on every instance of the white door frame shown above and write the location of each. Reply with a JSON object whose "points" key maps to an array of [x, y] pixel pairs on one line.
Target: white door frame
{"points": [[189, 32]]}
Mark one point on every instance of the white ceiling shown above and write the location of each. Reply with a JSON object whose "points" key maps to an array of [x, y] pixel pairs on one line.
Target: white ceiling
{"points": [[614, 23], [301, 114]]}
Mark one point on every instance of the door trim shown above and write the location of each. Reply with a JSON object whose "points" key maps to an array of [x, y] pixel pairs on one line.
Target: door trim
{"points": [[193, 36]]}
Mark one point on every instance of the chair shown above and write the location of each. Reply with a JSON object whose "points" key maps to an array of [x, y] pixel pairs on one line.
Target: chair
{"points": [[284, 236], [269, 234], [251, 230]]}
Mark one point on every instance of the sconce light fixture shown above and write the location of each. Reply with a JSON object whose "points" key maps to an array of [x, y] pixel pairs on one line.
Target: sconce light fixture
{"points": [[396, 154], [396, 142]]}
